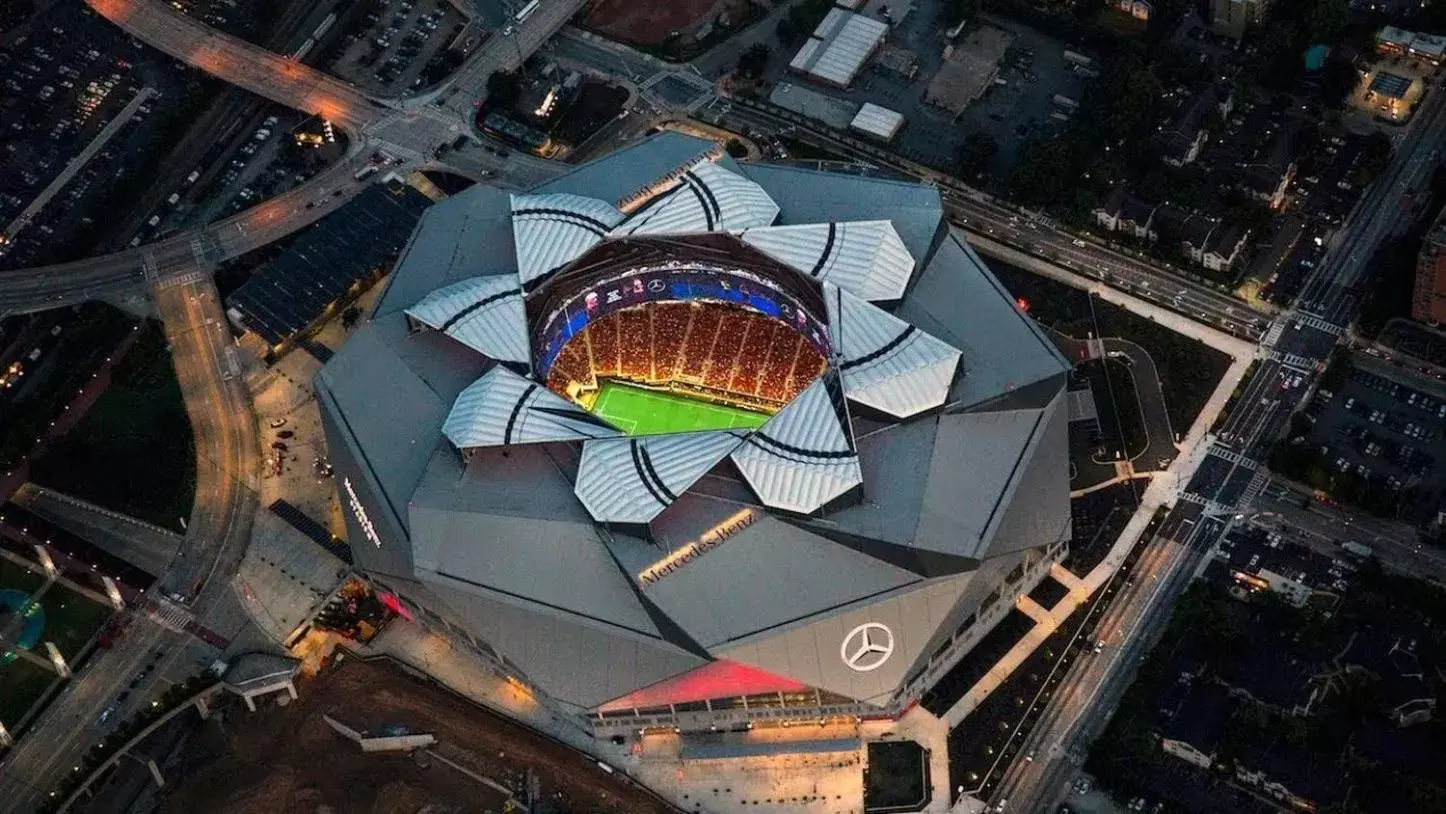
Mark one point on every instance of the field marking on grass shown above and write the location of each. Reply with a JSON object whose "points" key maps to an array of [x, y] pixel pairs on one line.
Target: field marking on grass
{"points": [[627, 407]]}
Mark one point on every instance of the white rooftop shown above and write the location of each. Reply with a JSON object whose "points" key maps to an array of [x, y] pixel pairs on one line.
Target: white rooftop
{"points": [[839, 47]]}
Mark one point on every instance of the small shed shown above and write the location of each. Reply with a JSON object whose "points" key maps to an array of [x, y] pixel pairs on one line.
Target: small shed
{"points": [[878, 122]]}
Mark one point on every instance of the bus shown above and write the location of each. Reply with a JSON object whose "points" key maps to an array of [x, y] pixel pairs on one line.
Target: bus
{"points": [[526, 11]]}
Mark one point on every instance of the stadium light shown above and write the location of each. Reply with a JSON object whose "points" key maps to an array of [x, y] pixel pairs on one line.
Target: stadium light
{"points": [[58, 660], [43, 555]]}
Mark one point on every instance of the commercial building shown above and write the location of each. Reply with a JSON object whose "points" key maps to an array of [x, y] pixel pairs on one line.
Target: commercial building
{"points": [[1428, 297], [674, 441], [839, 47], [878, 122], [1230, 17], [969, 69]]}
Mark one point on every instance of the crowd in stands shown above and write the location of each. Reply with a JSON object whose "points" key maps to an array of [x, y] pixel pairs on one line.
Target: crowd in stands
{"points": [[709, 349]]}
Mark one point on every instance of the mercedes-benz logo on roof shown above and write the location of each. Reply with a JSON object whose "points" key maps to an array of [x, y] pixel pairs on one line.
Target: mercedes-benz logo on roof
{"points": [[655, 285], [867, 647]]}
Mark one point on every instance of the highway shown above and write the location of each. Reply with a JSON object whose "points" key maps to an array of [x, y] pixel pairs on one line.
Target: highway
{"points": [[227, 450], [209, 372], [979, 214], [242, 64], [1297, 346], [410, 133], [105, 275]]}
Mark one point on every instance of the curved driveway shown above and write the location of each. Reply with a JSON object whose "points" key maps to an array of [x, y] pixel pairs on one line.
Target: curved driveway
{"points": [[110, 274]]}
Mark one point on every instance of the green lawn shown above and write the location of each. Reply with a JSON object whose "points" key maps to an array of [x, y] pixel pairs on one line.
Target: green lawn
{"points": [[637, 411], [71, 619], [133, 451], [18, 578], [21, 683]]}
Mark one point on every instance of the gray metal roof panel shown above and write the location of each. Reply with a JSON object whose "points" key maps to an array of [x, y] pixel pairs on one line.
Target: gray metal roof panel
{"points": [[394, 418], [976, 461], [814, 653], [956, 299], [1038, 511], [575, 662], [766, 574], [560, 565], [467, 235], [618, 175], [810, 196]]}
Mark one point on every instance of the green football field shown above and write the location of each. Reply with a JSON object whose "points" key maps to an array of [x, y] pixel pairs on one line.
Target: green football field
{"points": [[638, 411]]}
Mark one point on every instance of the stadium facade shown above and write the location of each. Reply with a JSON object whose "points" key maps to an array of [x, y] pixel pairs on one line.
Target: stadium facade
{"points": [[681, 442]]}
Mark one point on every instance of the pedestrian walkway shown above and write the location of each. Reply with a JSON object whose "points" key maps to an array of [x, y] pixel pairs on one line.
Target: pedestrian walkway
{"points": [[143, 545]]}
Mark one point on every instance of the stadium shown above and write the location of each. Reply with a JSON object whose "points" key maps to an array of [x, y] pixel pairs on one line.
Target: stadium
{"points": [[674, 441]]}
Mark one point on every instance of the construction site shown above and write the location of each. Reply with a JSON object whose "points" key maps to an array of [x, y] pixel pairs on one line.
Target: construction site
{"points": [[435, 752]]}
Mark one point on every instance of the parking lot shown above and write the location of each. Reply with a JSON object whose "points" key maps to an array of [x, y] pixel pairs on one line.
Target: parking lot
{"points": [[61, 82], [1384, 432], [398, 45]]}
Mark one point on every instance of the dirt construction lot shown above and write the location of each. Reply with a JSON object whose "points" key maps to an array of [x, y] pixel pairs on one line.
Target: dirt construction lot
{"points": [[287, 760], [649, 23]]}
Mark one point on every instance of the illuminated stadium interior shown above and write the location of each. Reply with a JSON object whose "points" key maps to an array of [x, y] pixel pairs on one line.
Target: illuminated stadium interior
{"points": [[677, 335]]}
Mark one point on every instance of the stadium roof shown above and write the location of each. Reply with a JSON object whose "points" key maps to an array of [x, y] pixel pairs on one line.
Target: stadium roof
{"points": [[839, 47], [930, 449]]}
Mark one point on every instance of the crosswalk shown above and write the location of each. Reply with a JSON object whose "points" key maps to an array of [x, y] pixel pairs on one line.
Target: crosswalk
{"points": [[170, 616], [1273, 335], [1233, 457], [1254, 488], [1313, 321], [1302, 364], [192, 276]]}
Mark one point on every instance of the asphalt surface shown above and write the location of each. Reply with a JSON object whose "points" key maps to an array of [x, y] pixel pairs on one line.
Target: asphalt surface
{"points": [[980, 214], [226, 446], [157, 643], [1299, 343], [411, 133]]}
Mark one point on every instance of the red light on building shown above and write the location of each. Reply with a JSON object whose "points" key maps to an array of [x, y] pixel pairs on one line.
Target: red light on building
{"points": [[395, 605], [1022, 303]]}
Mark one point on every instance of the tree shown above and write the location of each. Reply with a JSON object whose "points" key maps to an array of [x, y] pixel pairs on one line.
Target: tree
{"points": [[350, 316], [504, 88], [1338, 79], [753, 61], [976, 154], [1375, 157], [735, 148]]}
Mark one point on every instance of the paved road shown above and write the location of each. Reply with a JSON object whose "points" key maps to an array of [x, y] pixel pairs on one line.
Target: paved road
{"points": [[980, 214], [240, 63], [218, 405], [411, 134], [106, 275], [1296, 348], [1394, 544]]}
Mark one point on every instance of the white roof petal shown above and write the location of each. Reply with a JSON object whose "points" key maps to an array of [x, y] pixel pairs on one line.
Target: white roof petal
{"points": [[707, 198], [804, 456], [866, 257], [503, 408], [631, 480], [483, 313], [887, 363], [553, 230]]}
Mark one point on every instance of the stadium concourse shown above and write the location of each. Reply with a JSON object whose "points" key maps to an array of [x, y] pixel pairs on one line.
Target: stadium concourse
{"points": [[683, 444]]}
